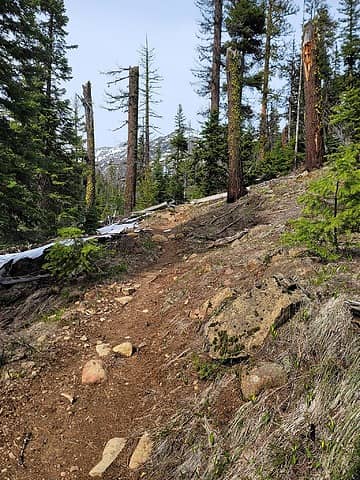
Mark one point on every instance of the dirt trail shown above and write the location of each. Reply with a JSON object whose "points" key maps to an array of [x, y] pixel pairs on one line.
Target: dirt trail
{"points": [[139, 394]]}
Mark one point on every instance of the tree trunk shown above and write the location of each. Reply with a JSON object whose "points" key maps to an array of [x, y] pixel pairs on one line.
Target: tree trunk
{"points": [[236, 187], [130, 181], [265, 87], [90, 147], [216, 60], [313, 129]]}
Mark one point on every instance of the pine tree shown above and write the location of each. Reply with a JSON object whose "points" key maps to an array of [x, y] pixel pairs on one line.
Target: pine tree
{"points": [[350, 35], [176, 164], [208, 72], [18, 149], [209, 158], [58, 173]]}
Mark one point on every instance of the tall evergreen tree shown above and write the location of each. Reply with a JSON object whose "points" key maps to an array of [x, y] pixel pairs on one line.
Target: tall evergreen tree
{"points": [[350, 36], [209, 158], [208, 72], [58, 173], [176, 166]]}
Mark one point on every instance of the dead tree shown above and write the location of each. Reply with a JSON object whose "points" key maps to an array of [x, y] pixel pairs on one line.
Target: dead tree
{"points": [[236, 187], [90, 147], [127, 101], [133, 113], [313, 131]]}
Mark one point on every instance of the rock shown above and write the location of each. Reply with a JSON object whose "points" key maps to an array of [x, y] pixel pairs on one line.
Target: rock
{"points": [[69, 316], [128, 291], [265, 376], [142, 452], [93, 372], [103, 349], [83, 338], [69, 397], [159, 238], [125, 349], [213, 304], [110, 453], [243, 325], [123, 300]]}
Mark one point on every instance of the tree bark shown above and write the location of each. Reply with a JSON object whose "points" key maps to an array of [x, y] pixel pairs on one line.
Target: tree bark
{"points": [[130, 181], [313, 128], [236, 187], [216, 57], [90, 146]]}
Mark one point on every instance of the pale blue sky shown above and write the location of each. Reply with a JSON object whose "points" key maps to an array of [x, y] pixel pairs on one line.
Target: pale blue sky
{"points": [[110, 32]]}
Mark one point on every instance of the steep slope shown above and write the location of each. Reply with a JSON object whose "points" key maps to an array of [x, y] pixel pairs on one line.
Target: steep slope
{"points": [[278, 401]]}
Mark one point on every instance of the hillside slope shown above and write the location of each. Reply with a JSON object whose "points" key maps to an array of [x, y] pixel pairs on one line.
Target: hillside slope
{"points": [[244, 362]]}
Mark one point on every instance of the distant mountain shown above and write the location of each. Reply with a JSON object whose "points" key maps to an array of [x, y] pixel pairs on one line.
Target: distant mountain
{"points": [[116, 156]]}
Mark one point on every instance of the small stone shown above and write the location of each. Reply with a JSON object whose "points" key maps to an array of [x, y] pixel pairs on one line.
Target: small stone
{"points": [[145, 311], [103, 349], [142, 452], [128, 291], [93, 372], [267, 375], [123, 300], [83, 338], [125, 349], [41, 339], [159, 238], [69, 397], [74, 468], [110, 453]]}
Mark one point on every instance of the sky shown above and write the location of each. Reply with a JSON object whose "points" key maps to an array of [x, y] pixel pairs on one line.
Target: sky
{"points": [[109, 33]]}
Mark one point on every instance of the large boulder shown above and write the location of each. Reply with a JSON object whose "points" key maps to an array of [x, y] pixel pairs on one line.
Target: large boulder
{"points": [[243, 325]]}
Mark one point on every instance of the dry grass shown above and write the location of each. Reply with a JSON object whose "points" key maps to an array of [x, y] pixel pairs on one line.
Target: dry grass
{"points": [[307, 429]]}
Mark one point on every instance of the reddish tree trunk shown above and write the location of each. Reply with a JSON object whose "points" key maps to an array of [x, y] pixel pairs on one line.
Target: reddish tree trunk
{"points": [[313, 131], [130, 181]]}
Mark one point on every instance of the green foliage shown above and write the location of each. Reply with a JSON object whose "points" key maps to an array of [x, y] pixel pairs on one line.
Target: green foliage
{"points": [[206, 370], [278, 161], [147, 190], [331, 206], [208, 162], [75, 256]]}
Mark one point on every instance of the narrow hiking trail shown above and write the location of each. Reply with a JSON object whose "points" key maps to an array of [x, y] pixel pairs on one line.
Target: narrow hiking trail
{"points": [[52, 426]]}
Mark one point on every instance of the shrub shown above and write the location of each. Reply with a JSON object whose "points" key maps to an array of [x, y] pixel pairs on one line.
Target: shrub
{"points": [[72, 256], [331, 206]]}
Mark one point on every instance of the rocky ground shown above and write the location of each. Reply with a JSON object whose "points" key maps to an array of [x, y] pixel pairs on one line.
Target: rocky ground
{"points": [[155, 373]]}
